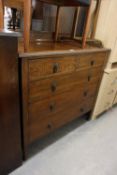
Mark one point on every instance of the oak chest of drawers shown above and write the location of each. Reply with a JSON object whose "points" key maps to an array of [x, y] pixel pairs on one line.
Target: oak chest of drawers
{"points": [[58, 88]]}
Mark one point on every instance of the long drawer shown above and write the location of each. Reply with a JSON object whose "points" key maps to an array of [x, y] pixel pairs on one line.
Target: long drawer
{"points": [[42, 126], [48, 87], [65, 107], [56, 103], [44, 67], [39, 68]]}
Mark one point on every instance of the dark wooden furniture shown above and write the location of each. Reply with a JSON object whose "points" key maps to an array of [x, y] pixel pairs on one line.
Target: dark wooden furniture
{"points": [[59, 83], [10, 131]]}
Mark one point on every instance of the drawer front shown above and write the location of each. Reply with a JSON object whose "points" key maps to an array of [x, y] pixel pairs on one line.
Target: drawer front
{"points": [[69, 115], [39, 129], [49, 106], [60, 102], [91, 60], [39, 68], [54, 85], [44, 126]]}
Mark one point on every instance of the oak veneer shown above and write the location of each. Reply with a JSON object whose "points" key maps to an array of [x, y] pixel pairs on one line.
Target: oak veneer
{"points": [[58, 86], [45, 88]]}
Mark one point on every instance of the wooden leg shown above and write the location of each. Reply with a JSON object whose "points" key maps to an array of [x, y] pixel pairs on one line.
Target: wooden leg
{"points": [[27, 23], [57, 23], [86, 25], [1, 14], [75, 23]]}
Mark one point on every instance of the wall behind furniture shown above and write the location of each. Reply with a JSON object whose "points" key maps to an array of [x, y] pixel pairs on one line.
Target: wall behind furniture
{"points": [[107, 27]]}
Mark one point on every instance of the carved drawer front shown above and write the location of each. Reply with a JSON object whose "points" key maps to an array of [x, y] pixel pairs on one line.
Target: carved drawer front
{"points": [[54, 85], [44, 67], [61, 106], [42, 126], [91, 60]]}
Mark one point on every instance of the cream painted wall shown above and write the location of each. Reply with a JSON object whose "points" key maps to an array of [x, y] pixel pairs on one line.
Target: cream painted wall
{"points": [[107, 32], [107, 26]]}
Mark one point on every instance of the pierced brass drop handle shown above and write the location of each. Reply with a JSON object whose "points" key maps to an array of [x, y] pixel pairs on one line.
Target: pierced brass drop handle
{"points": [[81, 110], [55, 67], [53, 86], [89, 77], [92, 62], [85, 93], [49, 126], [52, 106]]}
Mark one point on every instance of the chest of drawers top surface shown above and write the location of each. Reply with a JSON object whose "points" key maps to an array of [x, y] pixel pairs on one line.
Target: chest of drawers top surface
{"points": [[44, 48]]}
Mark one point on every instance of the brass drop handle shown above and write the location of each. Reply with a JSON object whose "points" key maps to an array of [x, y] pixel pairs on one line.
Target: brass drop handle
{"points": [[89, 77], [52, 106], [55, 67], [92, 62], [53, 86], [81, 110], [85, 93], [49, 126]]}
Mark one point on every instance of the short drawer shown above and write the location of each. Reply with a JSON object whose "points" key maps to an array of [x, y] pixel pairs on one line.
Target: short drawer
{"points": [[52, 105], [54, 85], [91, 60], [39, 68]]}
